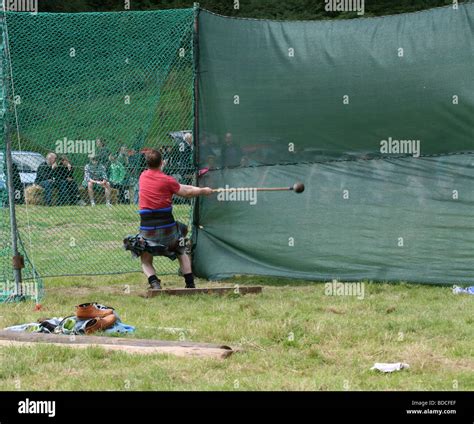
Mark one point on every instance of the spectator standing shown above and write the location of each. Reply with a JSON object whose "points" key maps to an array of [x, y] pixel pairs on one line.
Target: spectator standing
{"points": [[136, 165], [117, 177], [187, 161]]}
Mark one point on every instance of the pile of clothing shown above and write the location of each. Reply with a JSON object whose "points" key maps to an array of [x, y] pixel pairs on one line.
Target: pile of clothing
{"points": [[89, 318]]}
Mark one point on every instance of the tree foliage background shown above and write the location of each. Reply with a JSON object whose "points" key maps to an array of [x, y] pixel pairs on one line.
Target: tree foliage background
{"points": [[264, 9]]}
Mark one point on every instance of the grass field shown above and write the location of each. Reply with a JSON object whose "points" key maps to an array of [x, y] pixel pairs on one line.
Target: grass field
{"points": [[292, 337], [68, 240]]}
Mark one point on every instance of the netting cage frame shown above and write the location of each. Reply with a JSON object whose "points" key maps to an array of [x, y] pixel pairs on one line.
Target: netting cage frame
{"points": [[15, 247]]}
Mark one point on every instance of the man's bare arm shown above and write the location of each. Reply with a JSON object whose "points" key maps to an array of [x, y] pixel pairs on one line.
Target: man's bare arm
{"points": [[191, 191]]}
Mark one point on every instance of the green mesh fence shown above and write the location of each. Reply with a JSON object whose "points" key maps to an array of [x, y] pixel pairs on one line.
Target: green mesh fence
{"points": [[31, 286], [91, 91]]}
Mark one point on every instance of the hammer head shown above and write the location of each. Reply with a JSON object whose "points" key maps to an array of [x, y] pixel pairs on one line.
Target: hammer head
{"points": [[298, 187]]}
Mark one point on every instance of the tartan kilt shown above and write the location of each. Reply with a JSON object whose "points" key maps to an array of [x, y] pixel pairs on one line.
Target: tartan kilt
{"points": [[169, 242]]}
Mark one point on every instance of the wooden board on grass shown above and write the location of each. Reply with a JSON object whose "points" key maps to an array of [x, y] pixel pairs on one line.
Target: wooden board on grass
{"points": [[129, 345], [213, 290]]}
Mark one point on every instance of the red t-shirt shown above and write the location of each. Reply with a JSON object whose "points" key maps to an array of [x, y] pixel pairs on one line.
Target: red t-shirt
{"points": [[156, 189]]}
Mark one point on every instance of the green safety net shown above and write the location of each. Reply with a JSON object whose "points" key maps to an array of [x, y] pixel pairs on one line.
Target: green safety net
{"points": [[32, 286], [375, 116], [95, 90]]}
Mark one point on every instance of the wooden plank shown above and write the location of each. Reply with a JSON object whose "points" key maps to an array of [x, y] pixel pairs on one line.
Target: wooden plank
{"points": [[141, 346], [142, 350], [212, 291]]}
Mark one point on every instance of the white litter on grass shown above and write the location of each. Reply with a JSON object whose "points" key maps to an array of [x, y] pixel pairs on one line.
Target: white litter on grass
{"points": [[397, 366], [460, 290]]}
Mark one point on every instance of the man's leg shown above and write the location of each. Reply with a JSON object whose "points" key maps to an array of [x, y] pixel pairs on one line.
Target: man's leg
{"points": [[63, 193], [73, 192], [185, 263], [107, 193], [149, 270], [90, 189], [48, 191]]}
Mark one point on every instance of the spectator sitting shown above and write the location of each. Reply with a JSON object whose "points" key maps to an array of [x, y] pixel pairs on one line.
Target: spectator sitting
{"points": [[117, 177], [96, 174], [102, 153], [45, 176], [68, 190]]}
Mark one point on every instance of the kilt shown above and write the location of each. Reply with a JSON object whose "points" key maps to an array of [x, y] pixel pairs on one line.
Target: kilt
{"points": [[169, 241]]}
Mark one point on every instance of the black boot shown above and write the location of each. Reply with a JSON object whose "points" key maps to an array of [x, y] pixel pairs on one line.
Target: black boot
{"points": [[189, 280], [154, 282], [155, 285]]}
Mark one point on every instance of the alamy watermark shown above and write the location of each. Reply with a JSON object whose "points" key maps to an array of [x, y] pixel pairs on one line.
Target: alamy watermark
{"points": [[345, 6], [229, 194], [66, 146], [400, 147], [9, 288], [45, 407], [336, 288], [22, 6]]}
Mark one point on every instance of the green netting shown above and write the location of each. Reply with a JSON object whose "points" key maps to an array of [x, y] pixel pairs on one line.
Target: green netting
{"points": [[341, 106], [95, 89], [32, 285]]}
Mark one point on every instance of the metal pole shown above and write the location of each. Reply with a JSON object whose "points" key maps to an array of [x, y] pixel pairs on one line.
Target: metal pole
{"points": [[196, 85], [196, 115], [17, 260]]}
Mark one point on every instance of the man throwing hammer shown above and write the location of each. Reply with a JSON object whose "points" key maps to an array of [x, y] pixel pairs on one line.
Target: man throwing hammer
{"points": [[160, 234]]}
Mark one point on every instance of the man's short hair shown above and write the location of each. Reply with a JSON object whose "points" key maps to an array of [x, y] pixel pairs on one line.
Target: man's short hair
{"points": [[153, 159]]}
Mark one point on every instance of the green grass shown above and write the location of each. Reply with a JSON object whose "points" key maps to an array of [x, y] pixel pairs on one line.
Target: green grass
{"points": [[69, 240], [291, 337]]}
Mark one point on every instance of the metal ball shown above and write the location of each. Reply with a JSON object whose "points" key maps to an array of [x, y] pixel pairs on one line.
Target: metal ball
{"points": [[298, 187]]}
